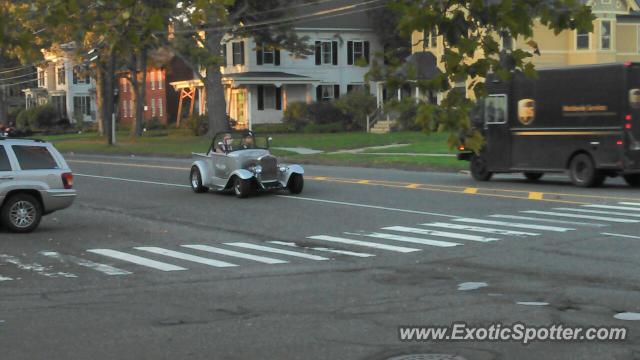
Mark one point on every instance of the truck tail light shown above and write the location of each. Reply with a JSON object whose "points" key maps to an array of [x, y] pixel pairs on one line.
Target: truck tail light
{"points": [[461, 148], [67, 180], [627, 126]]}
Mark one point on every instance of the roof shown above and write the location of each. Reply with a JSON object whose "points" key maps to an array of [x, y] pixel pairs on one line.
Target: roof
{"points": [[349, 18], [422, 65], [264, 74]]}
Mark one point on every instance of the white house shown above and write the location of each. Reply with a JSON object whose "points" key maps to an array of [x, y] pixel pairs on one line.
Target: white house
{"points": [[65, 85], [261, 82]]}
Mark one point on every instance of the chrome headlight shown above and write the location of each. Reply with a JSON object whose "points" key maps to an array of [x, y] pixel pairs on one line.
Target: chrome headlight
{"points": [[283, 169], [257, 169]]}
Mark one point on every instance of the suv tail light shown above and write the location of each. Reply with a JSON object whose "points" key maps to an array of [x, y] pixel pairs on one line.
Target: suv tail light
{"points": [[67, 180]]}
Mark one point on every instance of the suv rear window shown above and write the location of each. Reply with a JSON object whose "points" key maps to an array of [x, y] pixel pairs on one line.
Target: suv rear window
{"points": [[4, 160], [34, 157]]}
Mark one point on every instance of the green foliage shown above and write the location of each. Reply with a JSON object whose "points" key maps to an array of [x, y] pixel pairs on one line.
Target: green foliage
{"points": [[356, 106], [274, 128], [470, 28], [296, 115], [333, 127], [350, 111], [405, 112], [198, 124], [41, 117], [154, 124]]}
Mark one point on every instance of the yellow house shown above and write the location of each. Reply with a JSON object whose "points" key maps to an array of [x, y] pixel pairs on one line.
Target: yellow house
{"points": [[615, 38]]}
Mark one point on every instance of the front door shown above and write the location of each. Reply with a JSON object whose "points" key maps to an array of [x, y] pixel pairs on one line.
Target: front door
{"points": [[241, 109], [498, 141]]}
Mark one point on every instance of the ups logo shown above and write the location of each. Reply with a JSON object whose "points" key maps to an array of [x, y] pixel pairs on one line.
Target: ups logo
{"points": [[526, 111]]}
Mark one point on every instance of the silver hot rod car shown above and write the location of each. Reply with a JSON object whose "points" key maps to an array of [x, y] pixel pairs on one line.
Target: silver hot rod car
{"points": [[236, 162]]}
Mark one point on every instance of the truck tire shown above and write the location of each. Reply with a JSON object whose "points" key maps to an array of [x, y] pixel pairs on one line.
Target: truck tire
{"points": [[533, 176], [583, 172], [196, 181], [632, 179], [21, 213], [478, 167]]}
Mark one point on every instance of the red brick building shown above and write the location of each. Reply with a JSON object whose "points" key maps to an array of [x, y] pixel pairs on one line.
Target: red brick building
{"points": [[155, 104]]}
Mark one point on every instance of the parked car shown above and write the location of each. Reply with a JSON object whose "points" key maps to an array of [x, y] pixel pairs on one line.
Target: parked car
{"points": [[35, 181], [235, 161]]}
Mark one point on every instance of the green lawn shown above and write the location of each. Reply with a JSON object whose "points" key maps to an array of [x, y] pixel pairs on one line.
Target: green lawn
{"points": [[181, 144]]}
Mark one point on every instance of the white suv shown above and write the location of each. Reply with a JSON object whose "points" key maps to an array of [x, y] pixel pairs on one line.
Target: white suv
{"points": [[34, 181]]}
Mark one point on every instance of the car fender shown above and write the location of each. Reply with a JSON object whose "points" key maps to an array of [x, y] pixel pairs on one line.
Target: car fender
{"points": [[205, 172], [242, 174], [292, 169]]}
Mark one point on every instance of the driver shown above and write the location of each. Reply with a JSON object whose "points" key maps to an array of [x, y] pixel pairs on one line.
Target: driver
{"points": [[247, 142], [226, 145]]}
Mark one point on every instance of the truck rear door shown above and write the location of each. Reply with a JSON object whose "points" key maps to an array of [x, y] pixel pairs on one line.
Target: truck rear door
{"points": [[632, 118], [498, 138]]}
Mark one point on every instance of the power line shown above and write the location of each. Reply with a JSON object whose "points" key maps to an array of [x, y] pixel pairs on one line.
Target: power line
{"points": [[4, 71], [322, 14], [17, 77], [18, 83]]}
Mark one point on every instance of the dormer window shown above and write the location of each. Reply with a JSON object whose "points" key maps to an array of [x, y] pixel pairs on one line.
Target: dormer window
{"points": [[326, 53], [267, 55], [238, 53]]}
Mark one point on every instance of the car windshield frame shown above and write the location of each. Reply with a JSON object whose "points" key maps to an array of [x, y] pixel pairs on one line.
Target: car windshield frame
{"points": [[236, 144]]}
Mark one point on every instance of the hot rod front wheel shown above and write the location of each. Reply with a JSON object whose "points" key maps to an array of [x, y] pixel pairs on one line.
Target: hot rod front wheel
{"points": [[196, 181], [242, 188], [296, 184]]}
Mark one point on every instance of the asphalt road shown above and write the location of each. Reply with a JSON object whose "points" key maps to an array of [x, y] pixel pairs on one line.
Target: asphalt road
{"points": [[142, 268]]}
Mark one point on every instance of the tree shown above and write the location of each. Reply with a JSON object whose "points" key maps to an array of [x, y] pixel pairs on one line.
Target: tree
{"points": [[471, 30], [200, 27]]}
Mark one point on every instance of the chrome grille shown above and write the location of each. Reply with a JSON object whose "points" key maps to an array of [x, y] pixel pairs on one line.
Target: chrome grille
{"points": [[269, 168]]}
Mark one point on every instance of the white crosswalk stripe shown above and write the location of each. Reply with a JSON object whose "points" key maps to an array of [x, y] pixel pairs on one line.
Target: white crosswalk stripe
{"points": [[514, 225], [335, 251], [408, 239], [551, 221], [35, 267], [480, 229], [103, 268], [211, 249], [603, 212], [622, 235], [138, 260], [580, 216], [5, 278], [277, 251], [186, 257], [612, 207], [342, 240], [629, 203], [440, 233]]}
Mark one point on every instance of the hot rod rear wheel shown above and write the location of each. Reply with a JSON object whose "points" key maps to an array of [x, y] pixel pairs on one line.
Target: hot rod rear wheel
{"points": [[583, 172], [296, 183], [242, 188], [479, 169], [196, 181], [632, 179]]}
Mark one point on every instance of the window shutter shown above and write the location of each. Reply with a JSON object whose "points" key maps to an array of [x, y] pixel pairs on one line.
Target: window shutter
{"points": [[224, 55], [336, 91], [260, 97], [278, 98], [318, 52], [277, 57], [319, 93], [366, 51], [350, 53], [241, 52], [259, 55], [334, 50]]}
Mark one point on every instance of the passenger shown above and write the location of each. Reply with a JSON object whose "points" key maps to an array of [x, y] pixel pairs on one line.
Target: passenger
{"points": [[247, 142]]}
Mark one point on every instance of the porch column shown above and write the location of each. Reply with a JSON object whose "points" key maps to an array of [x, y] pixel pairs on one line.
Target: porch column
{"points": [[379, 92], [310, 89], [400, 94], [417, 94], [249, 107]]}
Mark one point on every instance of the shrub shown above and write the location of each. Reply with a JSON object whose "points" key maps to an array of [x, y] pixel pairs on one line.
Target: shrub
{"points": [[296, 115], [274, 128], [406, 112], [356, 106], [326, 112], [325, 128], [40, 117], [198, 124], [154, 124]]}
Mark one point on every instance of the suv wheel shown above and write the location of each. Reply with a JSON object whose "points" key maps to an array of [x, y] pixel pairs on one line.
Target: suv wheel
{"points": [[583, 172], [242, 188], [479, 169], [296, 183], [21, 213], [196, 181], [632, 179]]}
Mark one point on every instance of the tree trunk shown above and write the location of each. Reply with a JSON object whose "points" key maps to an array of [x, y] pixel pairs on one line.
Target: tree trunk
{"points": [[100, 99], [4, 114], [141, 91], [108, 104], [216, 104]]}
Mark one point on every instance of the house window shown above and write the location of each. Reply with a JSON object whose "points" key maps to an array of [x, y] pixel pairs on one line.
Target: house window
{"points": [[430, 39], [268, 56], [41, 78], [358, 52], [605, 35], [60, 74], [269, 97], [356, 88], [82, 105], [327, 92], [131, 105], [160, 107], [79, 78], [238, 53], [153, 107], [326, 52], [507, 42], [582, 40], [159, 78], [123, 85], [152, 79]]}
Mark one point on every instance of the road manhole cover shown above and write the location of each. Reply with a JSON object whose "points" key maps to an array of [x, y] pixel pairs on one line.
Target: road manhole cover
{"points": [[427, 357]]}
